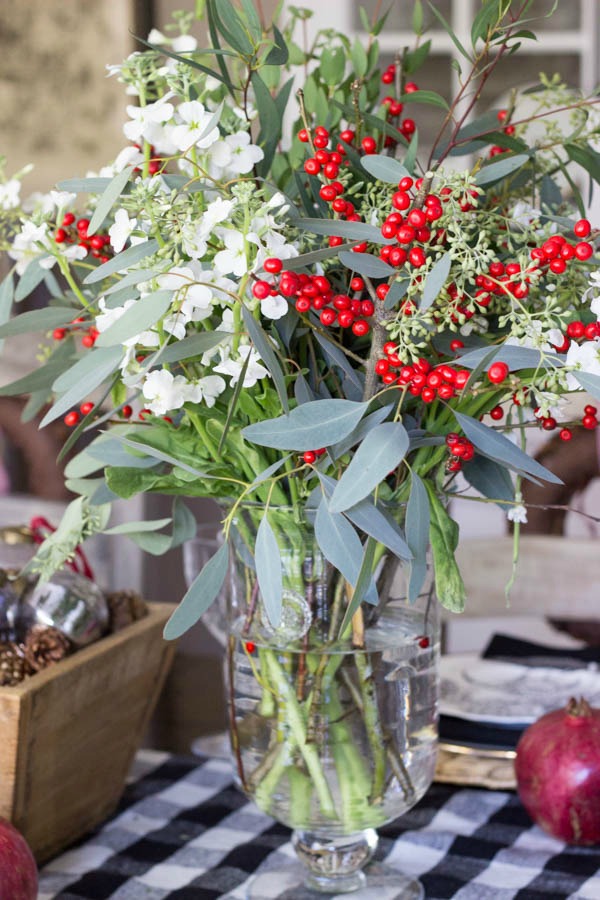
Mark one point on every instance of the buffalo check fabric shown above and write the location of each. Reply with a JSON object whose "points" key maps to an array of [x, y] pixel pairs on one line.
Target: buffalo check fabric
{"points": [[183, 831]]}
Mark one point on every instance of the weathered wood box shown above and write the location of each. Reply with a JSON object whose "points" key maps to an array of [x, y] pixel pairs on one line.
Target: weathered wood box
{"points": [[68, 734]]}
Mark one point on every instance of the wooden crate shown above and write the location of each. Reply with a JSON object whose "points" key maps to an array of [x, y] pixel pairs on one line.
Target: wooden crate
{"points": [[68, 734]]}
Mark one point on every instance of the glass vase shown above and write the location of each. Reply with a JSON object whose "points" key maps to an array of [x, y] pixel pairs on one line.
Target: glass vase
{"points": [[333, 720]]}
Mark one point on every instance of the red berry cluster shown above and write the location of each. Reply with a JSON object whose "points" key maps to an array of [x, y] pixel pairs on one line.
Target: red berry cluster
{"points": [[589, 420], [422, 379], [90, 332], [310, 456], [395, 107], [461, 450], [556, 253], [508, 129], [97, 244], [412, 229], [315, 292], [155, 164]]}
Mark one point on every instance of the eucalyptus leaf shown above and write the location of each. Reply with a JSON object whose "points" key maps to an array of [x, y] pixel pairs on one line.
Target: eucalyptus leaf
{"points": [[88, 373], [202, 593], [146, 525], [269, 571], [139, 317], [33, 275], [417, 535], [497, 447], [37, 320], [366, 264], [92, 185], [384, 168], [435, 281], [302, 391], [270, 470], [589, 382], [188, 347], [380, 453], [106, 201], [431, 98], [266, 353], [110, 452], [308, 259], [490, 479], [337, 357], [353, 231], [319, 423], [123, 260], [134, 278], [514, 356], [379, 525], [396, 292], [501, 169], [360, 432], [363, 582], [339, 542]]}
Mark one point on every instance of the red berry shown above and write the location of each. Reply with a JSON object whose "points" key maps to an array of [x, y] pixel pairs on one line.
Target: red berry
{"points": [[456, 344], [312, 166], [261, 290], [417, 257], [589, 422], [59, 334], [86, 408], [60, 235], [360, 327], [83, 225], [417, 218], [582, 228], [575, 330], [126, 411], [497, 413], [590, 410], [347, 136], [309, 457], [549, 423], [357, 284], [400, 200], [565, 434], [328, 317], [328, 193], [497, 372], [273, 265], [369, 144], [71, 418], [583, 250], [250, 646], [68, 219], [303, 136]]}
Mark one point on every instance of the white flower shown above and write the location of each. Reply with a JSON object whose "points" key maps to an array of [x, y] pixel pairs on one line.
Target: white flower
{"points": [[197, 304], [195, 235], [129, 156], [274, 307], [185, 43], [232, 367], [244, 155], [120, 231], [107, 316], [207, 389], [9, 194], [192, 132], [164, 391], [147, 121], [524, 213], [26, 247], [61, 199], [71, 253], [232, 260], [517, 514], [583, 357], [156, 37]]}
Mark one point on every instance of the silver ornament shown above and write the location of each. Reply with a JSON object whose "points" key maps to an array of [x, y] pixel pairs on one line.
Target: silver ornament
{"points": [[73, 604]]}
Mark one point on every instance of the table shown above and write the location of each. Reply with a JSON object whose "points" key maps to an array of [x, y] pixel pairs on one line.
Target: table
{"points": [[184, 832]]}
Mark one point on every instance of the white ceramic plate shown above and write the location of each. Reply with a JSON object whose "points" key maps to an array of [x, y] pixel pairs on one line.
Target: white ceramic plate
{"points": [[483, 690]]}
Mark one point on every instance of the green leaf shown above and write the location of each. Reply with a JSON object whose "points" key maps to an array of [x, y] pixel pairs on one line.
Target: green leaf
{"points": [[366, 264], [414, 59], [363, 582], [359, 59], [514, 356], [266, 353], [270, 123], [147, 525], [308, 259], [587, 158], [431, 98], [270, 470], [33, 275], [485, 19], [269, 571], [448, 30], [194, 64], [410, 157], [380, 526], [396, 292], [110, 452], [38, 320], [279, 54], [123, 260], [87, 374], [443, 536], [203, 591], [417, 17], [232, 28], [319, 423], [417, 535], [384, 168], [6, 300], [353, 231], [589, 382], [105, 203], [194, 345], [501, 169], [39, 379], [141, 316], [497, 447], [380, 453], [338, 542], [360, 432], [91, 185], [332, 65], [435, 281], [490, 479], [252, 19], [133, 279]]}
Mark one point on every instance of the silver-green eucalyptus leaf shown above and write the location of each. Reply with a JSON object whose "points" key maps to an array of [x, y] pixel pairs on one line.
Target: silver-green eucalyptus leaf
{"points": [[269, 571], [139, 317], [380, 452], [319, 423], [202, 593]]}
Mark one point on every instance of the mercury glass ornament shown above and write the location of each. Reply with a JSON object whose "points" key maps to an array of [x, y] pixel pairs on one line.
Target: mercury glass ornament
{"points": [[73, 604]]}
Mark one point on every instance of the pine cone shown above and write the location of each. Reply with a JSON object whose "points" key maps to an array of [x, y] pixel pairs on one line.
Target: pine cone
{"points": [[124, 607], [44, 646], [13, 665]]}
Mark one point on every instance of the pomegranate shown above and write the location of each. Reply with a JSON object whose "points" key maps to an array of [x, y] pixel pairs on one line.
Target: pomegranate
{"points": [[18, 871], [558, 772]]}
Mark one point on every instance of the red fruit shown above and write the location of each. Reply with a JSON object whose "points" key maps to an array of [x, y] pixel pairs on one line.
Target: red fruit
{"points": [[456, 344], [71, 418], [558, 773], [369, 144], [18, 871], [261, 290], [303, 136], [583, 250], [68, 219], [273, 265], [126, 411], [497, 413], [497, 372], [86, 407], [565, 434], [59, 334], [309, 457], [582, 228], [250, 646]]}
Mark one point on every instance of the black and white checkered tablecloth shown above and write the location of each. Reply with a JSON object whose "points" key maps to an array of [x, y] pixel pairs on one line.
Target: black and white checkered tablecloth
{"points": [[184, 832]]}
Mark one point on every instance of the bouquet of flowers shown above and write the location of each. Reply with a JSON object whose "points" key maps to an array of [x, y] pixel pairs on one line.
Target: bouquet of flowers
{"points": [[275, 297]]}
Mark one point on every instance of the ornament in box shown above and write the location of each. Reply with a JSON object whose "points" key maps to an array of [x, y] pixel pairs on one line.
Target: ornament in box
{"points": [[72, 603]]}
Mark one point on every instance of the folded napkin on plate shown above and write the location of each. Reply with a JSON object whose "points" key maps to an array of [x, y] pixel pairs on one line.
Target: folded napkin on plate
{"points": [[525, 653], [504, 648]]}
